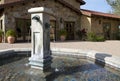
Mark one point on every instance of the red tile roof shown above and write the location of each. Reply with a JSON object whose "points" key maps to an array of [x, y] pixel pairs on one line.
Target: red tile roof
{"points": [[95, 13]]}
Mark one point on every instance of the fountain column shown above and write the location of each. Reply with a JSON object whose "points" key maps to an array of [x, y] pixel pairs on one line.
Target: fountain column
{"points": [[40, 37]]}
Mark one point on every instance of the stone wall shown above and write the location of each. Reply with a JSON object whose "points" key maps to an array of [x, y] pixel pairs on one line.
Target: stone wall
{"points": [[21, 11], [74, 3]]}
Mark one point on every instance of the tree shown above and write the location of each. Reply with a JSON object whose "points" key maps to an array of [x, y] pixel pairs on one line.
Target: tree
{"points": [[115, 5]]}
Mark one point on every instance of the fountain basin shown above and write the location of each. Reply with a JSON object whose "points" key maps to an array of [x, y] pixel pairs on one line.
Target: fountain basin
{"points": [[66, 66]]}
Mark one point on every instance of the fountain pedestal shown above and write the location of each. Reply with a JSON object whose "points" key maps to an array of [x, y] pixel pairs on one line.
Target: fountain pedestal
{"points": [[40, 31]]}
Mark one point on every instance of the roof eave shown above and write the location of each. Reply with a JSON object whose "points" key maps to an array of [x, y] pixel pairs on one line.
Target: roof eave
{"points": [[81, 2], [69, 6], [92, 15], [100, 14], [60, 1], [12, 3]]}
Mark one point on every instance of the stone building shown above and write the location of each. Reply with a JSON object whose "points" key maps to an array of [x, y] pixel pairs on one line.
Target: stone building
{"points": [[67, 15], [100, 23], [14, 15]]}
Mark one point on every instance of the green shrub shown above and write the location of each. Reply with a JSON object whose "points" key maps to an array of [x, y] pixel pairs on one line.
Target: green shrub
{"points": [[10, 32], [1, 32], [81, 33], [93, 37], [62, 32], [100, 38], [118, 36]]}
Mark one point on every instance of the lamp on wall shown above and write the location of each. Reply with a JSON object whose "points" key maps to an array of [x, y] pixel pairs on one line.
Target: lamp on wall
{"points": [[119, 27]]}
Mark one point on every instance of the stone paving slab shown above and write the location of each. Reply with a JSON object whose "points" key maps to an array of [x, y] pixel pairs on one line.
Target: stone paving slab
{"points": [[4, 46], [108, 47]]}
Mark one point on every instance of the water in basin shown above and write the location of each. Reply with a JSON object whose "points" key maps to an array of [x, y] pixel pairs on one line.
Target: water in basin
{"points": [[65, 69]]}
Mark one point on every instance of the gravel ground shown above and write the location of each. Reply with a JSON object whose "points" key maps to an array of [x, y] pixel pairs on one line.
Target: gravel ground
{"points": [[109, 47]]}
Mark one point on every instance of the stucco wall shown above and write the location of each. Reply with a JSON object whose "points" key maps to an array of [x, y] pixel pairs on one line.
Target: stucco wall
{"points": [[97, 25], [1, 1], [21, 11], [86, 23]]}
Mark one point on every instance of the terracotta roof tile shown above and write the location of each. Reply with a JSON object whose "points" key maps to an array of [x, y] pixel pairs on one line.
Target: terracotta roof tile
{"points": [[95, 13]]}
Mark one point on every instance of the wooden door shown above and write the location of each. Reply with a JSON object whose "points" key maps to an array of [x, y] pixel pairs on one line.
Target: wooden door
{"points": [[69, 26], [107, 30]]}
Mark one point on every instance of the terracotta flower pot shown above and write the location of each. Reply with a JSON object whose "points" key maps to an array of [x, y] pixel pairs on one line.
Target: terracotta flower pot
{"points": [[10, 39], [62, 37]]}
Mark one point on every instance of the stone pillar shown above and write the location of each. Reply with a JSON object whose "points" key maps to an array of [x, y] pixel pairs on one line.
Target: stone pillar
{"points": [[40, 27]]}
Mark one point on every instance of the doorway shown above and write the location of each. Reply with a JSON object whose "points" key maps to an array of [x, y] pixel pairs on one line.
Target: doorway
{"points": [[23, 30], [69, 26], [107, 30]]}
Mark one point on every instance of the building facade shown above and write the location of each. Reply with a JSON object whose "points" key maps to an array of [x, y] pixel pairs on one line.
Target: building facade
{"points": [[14, 15], [100, 23], [67, 15]]}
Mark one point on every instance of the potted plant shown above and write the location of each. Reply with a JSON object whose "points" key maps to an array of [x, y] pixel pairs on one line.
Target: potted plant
{"points": [[10, 34], [1, 34], [62, 34]]}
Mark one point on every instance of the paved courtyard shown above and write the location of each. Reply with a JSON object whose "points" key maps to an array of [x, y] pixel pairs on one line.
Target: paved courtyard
{"points": [[109, 47]]}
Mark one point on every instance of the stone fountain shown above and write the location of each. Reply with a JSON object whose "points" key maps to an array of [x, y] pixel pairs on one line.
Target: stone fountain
{"points": [[40, 28]]}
